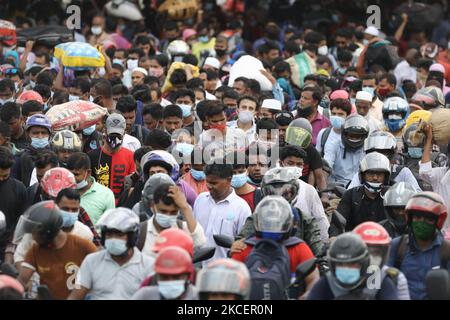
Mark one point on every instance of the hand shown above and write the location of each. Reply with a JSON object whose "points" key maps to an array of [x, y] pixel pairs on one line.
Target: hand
{"points": [[405, 17], [427, 130], [268, 76], [238, 246], [29, 45], [178, 197]]}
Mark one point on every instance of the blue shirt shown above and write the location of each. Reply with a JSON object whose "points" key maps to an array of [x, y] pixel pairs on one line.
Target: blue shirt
{"points": [[343, 162], [416, 265]]}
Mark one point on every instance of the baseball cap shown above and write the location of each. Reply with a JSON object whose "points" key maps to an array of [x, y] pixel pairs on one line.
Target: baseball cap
{"points": [[115, 123], [372, 31]]}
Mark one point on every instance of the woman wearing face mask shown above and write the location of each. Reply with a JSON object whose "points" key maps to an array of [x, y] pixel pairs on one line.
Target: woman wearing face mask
{"points": [[173, 268], [116, 272], [158, 66]]}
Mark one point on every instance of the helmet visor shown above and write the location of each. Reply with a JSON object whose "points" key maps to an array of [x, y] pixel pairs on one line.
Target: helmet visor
{"points": [[298, 137], [287, 191], [24, 225]]}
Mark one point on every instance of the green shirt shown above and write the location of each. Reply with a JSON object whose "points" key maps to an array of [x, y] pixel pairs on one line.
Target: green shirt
{"points": [[96, 200]]}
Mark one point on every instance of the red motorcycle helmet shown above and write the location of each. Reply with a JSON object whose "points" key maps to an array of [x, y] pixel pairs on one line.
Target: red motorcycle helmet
{"points": [[57, 179], [377, 240], [373, 233], [174, 237], [429, 203], [173, 260]]}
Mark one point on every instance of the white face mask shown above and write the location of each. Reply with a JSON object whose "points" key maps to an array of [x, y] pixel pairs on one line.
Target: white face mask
{"points": [[101, 72], [132, 64], [323, 50], [96, 30]]}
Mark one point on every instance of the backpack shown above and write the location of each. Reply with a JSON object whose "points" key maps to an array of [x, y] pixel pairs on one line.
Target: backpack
{"points": [[324, 139], [404, 242], [269, 266], [394, 174]]}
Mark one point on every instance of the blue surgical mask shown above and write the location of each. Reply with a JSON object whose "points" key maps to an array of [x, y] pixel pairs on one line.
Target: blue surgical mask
{"points": [[353, 100], [171, 289], [203, 39], [347, 275], [116, 247], [185, 148], [39, 143], [239, 180], [89, 130], [369, 89], [69, 218], [415, 152], [165, 220], [337, 122], [187, 110], [198, 175], [81, 185]]}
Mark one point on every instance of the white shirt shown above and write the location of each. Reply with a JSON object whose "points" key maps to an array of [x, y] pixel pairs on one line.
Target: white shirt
{"points": [[251, 133], [225, 217], [405, 175], [198, 236], [333, 137], [308, 201], [403, 71], [131, 143], [439, 179], [213, 141], [374, 124], [109, 281], [79, 229], [33, 179]]}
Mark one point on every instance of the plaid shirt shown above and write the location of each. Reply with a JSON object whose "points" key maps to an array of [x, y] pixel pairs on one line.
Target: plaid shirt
{"points": [[83, 217]]}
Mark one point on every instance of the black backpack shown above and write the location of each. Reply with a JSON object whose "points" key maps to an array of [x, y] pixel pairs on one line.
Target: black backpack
{"points": [[269, 267]]}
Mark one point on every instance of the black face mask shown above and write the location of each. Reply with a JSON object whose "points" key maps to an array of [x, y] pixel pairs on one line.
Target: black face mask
{"points": [[114, 141], [221, 52], [304, 112]]}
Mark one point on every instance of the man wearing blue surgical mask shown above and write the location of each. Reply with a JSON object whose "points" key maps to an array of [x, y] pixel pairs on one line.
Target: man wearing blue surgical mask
{"points": [[340, 109], [240, 183], [185, 99]]}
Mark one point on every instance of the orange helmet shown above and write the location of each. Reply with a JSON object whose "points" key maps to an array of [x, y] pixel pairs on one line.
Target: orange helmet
{"points": [[373, 233], [174, 237], [57, 179], [429, 203], [173, 260]]}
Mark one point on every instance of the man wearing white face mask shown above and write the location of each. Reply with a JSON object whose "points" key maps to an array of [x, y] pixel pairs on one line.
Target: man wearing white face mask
{"points": [[247, 108], [117, 272], [169, 203], [98, 31]]}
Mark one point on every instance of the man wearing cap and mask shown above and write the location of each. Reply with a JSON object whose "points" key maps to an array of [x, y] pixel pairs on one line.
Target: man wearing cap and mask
{"points": [[363, 105], [111, 163], [98, 31]]}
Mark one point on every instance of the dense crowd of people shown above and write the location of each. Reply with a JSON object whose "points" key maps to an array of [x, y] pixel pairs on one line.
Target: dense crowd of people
{"points": [[289, 162]]}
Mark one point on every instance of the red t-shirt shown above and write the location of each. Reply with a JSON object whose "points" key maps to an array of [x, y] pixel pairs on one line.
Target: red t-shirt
{"points": [[249, 198], [297, 254]]}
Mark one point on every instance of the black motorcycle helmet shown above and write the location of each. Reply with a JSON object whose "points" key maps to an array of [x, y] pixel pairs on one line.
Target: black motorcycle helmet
{"points": [[44, 218], [349, 248]]}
